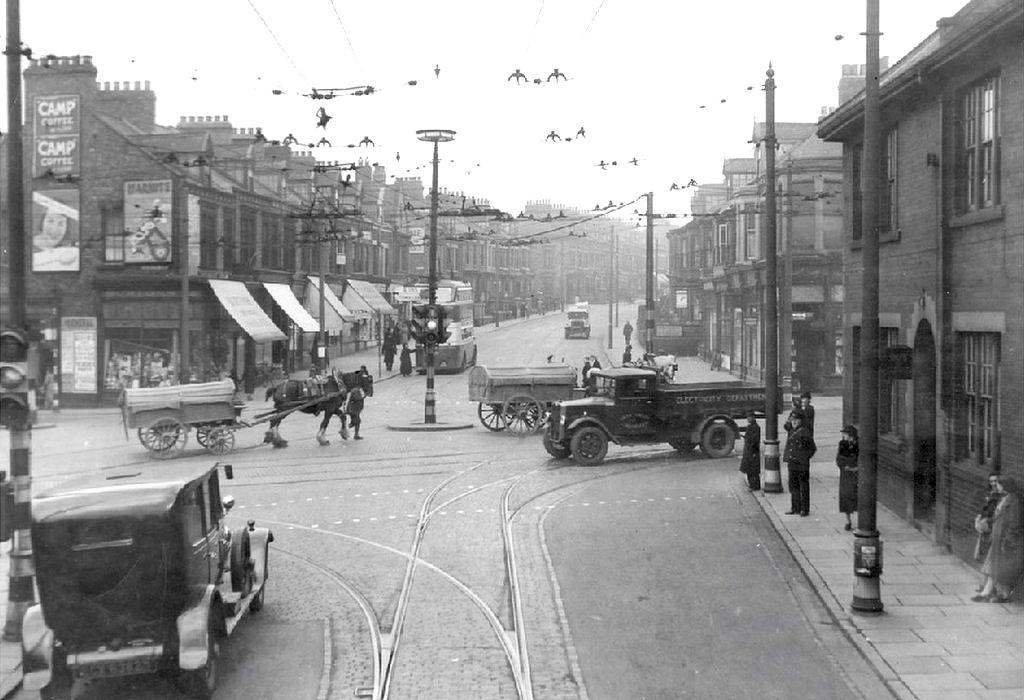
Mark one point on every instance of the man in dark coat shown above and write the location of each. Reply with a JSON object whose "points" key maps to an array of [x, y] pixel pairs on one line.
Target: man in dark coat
{"points": [[405, 361], [750, 464], [800, 448], [585, 372], [354, 409], [627, 332], [808, 410], [390, 347]]}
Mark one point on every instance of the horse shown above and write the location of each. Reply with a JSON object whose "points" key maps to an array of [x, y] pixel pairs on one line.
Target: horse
{"points": [[325, 395]]}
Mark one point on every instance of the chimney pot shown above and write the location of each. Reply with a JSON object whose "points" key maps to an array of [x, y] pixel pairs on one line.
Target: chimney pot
{"points": [[146, 84], [224, 118], [87, 60], [138, 85]]}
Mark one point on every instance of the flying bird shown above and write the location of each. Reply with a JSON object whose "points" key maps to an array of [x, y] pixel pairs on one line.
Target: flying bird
{"points": [[322, 117], [635, 162], [582, 133]]}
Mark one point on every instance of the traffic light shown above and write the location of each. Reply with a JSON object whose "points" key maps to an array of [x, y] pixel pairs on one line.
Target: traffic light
{"points": [[433, 330], [16, 401], [419, 322]]}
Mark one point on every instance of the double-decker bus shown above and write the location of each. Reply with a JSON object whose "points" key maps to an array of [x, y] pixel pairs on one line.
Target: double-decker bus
{"points": [[459, 351]]}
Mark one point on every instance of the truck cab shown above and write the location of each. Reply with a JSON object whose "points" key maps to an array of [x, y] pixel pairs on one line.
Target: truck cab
{"points": [[631, 406]]}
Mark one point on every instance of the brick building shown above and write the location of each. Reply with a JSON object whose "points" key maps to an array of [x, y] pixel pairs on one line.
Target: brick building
{"points": [[951, 232]]}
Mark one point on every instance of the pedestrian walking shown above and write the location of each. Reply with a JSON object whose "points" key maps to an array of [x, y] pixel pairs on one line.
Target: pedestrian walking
{"points": [[983, 523], [846, 460], [389, 349], [750, 463], [800, 448], [405, 361], [627, 332], [1004, 561]]}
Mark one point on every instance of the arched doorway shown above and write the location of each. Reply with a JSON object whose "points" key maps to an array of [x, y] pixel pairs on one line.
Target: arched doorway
{"points": [[924, 423]]}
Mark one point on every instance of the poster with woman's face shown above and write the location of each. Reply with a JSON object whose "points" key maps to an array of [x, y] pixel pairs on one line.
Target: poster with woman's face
{"points": [[55, 231]]}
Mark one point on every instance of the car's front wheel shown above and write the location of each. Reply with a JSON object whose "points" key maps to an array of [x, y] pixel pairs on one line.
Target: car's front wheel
{"points": [[589, 445], [202, 682]]}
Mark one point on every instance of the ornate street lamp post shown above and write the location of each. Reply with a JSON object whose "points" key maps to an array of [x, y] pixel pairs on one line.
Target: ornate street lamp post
{"points": [[435, 136]]}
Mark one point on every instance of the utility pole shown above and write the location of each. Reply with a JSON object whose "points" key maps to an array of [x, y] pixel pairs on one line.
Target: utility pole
{"points": [[649, 313], [21, 589], [611, 281], [772, 472], [616, 255], [867, 545]]}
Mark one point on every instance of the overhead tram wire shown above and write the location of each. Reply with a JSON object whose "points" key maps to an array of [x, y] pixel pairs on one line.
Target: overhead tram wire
{"points": [[604, 212], [345, 32], [278, 42]]}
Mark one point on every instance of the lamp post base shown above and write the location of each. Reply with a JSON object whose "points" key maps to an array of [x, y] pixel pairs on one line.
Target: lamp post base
{"points": [[772, 480], [867, 569]]}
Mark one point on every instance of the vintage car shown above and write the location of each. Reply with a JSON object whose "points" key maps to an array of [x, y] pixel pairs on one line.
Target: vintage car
{"points": [[138, 573]]}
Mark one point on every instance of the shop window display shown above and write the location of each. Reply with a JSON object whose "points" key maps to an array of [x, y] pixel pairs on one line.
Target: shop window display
{"points": [[129, 365]]}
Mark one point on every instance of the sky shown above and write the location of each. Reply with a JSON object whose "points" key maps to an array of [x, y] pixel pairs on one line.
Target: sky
{"points": [[674, 84]]}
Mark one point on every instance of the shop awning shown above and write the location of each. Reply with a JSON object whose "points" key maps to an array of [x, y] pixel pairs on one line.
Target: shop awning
{"points": [[284, 297], [371, 296], [353, 301], [235, 298], [336, 313]]}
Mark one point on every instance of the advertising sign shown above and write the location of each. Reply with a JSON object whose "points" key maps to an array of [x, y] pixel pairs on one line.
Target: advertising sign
{"points": [[78, 355], [147, 221], [416, 238], [55, 231], [56, 123], [682, 298]]}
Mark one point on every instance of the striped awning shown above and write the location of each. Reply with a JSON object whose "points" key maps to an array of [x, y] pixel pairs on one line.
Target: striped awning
{"points": [[371, 296], [238, 302], [285, 298], [336, 314]]}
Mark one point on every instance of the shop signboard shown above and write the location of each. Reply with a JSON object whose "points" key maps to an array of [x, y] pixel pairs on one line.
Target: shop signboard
{"points": [[56, 123], [682, 298], [78, 342], [416, 239], [55, 215], [147, 221]]}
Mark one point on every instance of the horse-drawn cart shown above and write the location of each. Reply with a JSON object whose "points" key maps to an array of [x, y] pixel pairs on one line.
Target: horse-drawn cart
{"points": [[518, 399], [163, 416]]}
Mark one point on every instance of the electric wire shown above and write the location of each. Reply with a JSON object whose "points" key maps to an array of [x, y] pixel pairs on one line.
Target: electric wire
{"points": [[345, 32], [278, 42]]}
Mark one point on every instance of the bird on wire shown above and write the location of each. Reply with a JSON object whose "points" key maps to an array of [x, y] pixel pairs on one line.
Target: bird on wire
{"points": [[518, 75], [367, 141], [323, 142], [581, 133], [552, 136], [635, 162], [556, 74], [437, 70]]}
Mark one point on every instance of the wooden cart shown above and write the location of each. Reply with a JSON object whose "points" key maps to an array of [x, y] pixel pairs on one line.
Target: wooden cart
{"points": [[518, 399], [163, 416]]}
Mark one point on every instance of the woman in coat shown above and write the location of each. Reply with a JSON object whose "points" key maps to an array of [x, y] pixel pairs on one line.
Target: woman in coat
{"points": [[750, 464], [846, 460], [1003, 564], [405, 361]]}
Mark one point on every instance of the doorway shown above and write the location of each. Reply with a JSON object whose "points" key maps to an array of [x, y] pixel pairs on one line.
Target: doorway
{"points": [[924, 424]]}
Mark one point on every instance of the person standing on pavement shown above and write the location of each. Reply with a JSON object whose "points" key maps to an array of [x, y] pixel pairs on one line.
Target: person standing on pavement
{"points": [[846, 460], [627, 332], [585, 372], [1003, 564], [405, 361], [808, 410], [800, 448], [750, 464], [389, 349]]}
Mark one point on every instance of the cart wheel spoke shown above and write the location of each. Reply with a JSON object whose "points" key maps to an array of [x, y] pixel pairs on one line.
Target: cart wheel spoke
{"points": [[492, 416], [164, 437], [523, 415], [220, 440]]}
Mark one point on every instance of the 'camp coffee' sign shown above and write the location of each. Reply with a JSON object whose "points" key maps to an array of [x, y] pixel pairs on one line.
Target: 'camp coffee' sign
{"points": [[56, 121]]}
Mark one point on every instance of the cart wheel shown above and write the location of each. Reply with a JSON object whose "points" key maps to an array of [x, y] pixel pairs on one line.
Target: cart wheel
{"points": [[203, 435], [164, 437], [220, 440], [492, 415], [523, 415]]}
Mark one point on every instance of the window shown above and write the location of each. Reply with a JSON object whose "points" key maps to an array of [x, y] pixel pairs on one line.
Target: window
{"points": [[891, 399], [977, 168], [228, 239], [112, 227], [752, 238], [978, 398], [887, 191], [722, 245], [207, 236], [193, 514]]}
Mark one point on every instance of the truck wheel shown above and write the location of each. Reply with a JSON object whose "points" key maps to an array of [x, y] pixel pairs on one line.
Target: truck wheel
{"points": [[241, 561], [256, 604], [557, 451], [201, 682], [589, 445], [717, 440]]}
